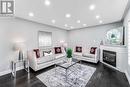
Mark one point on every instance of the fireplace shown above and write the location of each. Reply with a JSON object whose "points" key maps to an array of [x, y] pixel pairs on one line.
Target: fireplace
{"points": [[109, 57]]}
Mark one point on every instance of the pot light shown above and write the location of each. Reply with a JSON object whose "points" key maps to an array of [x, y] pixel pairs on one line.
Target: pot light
{"points": [[66, 25], [47, 2], [78, 21], [72, 27], [100, 21], [68, 15], [31, 14], [53, 21], [97, 16], [84, 25], [92, 7]]}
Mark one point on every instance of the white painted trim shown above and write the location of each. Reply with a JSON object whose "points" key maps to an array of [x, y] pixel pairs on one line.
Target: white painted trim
{"points": [[5, 72], [121, 52], [128, 77], [9, 71], [112, 67]]}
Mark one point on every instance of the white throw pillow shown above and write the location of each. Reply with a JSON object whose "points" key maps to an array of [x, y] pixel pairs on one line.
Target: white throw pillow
{"points": [[47, 54]]}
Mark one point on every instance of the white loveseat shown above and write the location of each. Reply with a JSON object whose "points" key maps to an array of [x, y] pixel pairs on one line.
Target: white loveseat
{"points": [[43, 62], [94, 58]]}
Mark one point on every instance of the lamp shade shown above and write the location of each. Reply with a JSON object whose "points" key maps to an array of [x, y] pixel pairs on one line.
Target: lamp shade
{"points": [[18, 46]]}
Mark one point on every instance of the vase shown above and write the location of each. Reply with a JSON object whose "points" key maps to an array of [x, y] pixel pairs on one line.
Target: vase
{"points": [[69, 60]]}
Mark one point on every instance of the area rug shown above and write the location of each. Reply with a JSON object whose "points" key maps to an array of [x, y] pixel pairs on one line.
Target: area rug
{"points": [[78, 76]]}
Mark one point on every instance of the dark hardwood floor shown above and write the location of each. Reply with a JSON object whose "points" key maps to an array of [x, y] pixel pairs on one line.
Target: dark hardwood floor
{"points": [[103, 77]]}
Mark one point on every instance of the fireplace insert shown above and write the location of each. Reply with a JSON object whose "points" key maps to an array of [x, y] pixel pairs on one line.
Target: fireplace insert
{"points": [[109, 57]]}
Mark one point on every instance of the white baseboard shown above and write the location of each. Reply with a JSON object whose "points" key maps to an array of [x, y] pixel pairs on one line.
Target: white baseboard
{"points": [[9, 71], [128, 76], [5, 72], [113, 67]]}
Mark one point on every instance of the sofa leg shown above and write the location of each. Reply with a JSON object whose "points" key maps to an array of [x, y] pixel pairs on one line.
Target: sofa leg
{"points": [[80, 62]]}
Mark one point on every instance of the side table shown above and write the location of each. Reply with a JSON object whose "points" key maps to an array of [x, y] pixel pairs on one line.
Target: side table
{"points": [[14, 63]]}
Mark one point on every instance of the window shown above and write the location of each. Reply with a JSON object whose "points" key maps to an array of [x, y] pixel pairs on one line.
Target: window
{"points": [[45, 39], [129, 42]]}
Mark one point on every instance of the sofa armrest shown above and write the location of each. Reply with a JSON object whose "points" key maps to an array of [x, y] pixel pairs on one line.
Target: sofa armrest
{"points": [[97, 54], [32, 60]]}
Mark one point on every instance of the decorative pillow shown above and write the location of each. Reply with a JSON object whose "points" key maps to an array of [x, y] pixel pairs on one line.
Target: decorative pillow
{"points": [[37, 52], [47, 53], [57, 50], [93, 50], [78, 49]]}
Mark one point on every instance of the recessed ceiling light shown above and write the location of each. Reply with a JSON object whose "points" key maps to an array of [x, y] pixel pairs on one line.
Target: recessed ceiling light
{"points": [[31, 14], [78, 21], [53, 21], [71, 27], [66, 25], [84, 25], [97, 16], [68, 15], [100, 21], [47, 2], [92, 7]]}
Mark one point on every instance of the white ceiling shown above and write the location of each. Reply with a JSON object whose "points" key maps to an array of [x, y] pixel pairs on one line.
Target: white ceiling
{"points": [[108, 10]]}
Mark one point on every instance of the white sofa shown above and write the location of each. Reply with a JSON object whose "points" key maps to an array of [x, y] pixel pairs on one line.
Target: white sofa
{"points": [[43, 62], [94, 58]]}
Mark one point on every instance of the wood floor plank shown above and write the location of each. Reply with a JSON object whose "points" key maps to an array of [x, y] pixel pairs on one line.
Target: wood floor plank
{"points": [[103, 77]]}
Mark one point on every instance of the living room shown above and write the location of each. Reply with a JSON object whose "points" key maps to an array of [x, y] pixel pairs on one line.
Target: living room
{"points": [[65, 43]]}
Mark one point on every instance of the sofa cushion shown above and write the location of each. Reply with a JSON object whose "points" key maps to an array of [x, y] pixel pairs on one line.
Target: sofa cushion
{"points": [[93, 50], [77, 54], [59, 55], [37, 53], [58, 50], [78, 49], [45, 59], [88, 55]]}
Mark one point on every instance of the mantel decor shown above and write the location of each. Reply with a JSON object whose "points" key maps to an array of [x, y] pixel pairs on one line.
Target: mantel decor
{"points": [[115, 36]]}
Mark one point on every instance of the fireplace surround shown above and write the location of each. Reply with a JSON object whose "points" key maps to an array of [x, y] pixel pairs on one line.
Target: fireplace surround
{"points": [[114, 56]]}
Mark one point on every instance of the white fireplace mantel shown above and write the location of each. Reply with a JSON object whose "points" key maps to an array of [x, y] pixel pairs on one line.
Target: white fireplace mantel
{"points": [[121, 56]]}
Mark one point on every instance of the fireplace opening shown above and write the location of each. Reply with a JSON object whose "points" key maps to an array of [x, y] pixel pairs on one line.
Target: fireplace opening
{"points": [[109, 57]]}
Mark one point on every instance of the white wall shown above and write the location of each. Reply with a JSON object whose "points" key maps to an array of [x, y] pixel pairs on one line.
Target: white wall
{"points": [[125, 23], [14, 29], [90, 36]]}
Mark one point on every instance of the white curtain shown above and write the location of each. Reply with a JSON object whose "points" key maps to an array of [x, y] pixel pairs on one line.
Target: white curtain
{"points": [[129, 42], [45, 39]]}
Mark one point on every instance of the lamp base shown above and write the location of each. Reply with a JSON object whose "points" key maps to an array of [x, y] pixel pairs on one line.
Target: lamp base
{"points": [[20, 55]]}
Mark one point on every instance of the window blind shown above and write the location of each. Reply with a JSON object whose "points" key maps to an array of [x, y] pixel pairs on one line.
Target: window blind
{"points": [[45, 39]]}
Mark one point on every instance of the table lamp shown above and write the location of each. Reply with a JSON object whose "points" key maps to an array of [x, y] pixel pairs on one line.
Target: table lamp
{"points": [[19, 47]]}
